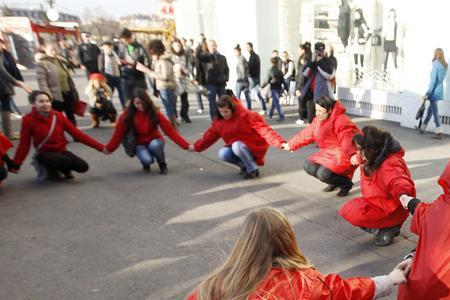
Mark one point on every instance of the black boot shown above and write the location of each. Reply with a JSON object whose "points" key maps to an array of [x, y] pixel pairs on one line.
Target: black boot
{"points": [[163, 168], [68, 175], [344, 190], [329, 188], [250, 175], [146, 168], [386, 236]]}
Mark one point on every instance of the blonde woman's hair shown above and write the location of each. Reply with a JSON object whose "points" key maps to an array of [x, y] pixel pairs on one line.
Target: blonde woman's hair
{"points": [[266, 241], [91, 90], [439, 55]]}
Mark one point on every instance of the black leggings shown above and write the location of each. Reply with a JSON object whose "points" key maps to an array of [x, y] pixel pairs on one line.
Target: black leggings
{"points": [[326, 175], [184, 106], [3, 173], [63, 162], [66, 106]]}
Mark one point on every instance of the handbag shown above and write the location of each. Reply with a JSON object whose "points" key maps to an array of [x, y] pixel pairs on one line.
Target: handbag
{"points": [[129, 142], [420, 113], [41, 170], [79, 107]]}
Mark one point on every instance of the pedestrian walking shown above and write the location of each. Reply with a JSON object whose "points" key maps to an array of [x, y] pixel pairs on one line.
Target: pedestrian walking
{"points": [[162, 73], [54, 78], [45, 127], [88, 53], [435, 92], [138, 129], [109, 66], [216, 75], [242, 75], [245, 133], [182, 69], [130, 53], [266, 263], [7, 83], [427, 267], [199, 74], [288, 69], [100, 96], [277, 83], [384, 178], [254, 70], [305, 102], [332, 130]]}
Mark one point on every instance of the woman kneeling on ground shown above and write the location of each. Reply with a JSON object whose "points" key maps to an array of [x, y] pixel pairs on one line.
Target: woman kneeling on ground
{"points": [[266, 263], [46, 127], [245, 133], [142, 119], [384, 179], [333, 131]]}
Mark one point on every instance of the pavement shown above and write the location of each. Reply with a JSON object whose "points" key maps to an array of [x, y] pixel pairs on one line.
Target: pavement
{"points": [[118, 233]]}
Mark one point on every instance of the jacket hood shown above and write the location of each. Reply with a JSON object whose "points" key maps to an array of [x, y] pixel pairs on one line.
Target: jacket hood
{"points": [[444, 181], [166, 56], [39, 57], [338, 109]]}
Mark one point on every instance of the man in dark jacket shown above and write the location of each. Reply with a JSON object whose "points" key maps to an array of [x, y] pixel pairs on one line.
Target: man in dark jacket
{"points": [[130, 53], [276, 80], [216, 74], [7, 83], [254, 69], [88, 54]]}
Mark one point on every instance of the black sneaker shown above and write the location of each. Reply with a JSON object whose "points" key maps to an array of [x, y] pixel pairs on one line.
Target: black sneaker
{"points": [[242, 171], [343, 191], [329, 188], [252, 174], [163, 168], [386, 236], [146, 168]]}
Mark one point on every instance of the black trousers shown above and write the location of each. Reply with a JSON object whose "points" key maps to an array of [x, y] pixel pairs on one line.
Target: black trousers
{"points": [[306, 108], [326, 175], [3, 172], [66, 106], [184, 111], [63, 162]]}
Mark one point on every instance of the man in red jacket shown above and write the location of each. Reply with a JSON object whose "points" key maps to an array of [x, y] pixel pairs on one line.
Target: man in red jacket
{"points": [[429, 277], [46, 128]]}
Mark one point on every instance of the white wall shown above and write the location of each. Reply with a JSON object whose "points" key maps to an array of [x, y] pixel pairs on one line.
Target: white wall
{"points": [[187, 18]]}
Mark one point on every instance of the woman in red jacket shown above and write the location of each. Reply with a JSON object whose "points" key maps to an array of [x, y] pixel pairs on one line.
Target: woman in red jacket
{"points": [[5, 145], [384, 178], [51, 147], [144, 118], [333, 131], [266, 263], [428, 268], [245, 133]]}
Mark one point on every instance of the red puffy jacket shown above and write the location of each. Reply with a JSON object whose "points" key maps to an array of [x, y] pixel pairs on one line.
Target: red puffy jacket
{"points": [[36, 126], [5, 145], [380, 206], [334, 139], [429, 277], [310, 284], [245, 126], [145, 132]]}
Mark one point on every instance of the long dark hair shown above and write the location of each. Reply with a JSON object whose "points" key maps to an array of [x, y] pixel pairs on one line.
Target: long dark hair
{"points": [[361, 20], [179, 53], [225, 101], [149, 107], [375, 144]]}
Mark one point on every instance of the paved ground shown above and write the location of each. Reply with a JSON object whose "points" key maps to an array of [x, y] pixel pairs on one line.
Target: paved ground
{"points": [[117, 233]]}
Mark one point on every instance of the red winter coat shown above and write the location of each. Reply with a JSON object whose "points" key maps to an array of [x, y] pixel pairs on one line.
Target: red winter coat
{"points": [[380, 206], [245, 126], [334, 139], [145, 132], [429, 277], [311, 285], [5, 145], [36, 126]]}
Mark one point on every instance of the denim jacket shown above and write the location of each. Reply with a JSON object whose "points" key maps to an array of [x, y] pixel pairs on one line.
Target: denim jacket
{"points": [[435, 90]]}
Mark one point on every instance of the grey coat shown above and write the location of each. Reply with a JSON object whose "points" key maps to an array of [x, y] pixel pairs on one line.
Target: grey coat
{"points": [[47, 77], [242, 69], [7, 82]]}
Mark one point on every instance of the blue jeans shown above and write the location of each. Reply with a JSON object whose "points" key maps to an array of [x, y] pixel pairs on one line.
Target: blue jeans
{"points": [[433, 110], [148, 153], [213, 92], [243, 87], [254, 84], [198, 95], [239, 154], [114, 83], [169, 101], [276, 104]]}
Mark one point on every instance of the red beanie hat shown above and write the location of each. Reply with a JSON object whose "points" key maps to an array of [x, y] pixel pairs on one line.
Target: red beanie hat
{"points": [[97, 76]]}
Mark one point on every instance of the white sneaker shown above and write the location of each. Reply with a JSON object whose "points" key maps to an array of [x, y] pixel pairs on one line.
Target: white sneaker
{"points": [[422, 128], [263, 112], [300, 122], [200, 111]]}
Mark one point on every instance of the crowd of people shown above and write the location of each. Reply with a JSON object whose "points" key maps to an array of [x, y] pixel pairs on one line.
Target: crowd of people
{"points": [[265, 262]]}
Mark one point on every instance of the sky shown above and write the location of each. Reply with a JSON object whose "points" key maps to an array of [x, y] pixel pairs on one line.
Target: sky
{"points": [[115, 8]]}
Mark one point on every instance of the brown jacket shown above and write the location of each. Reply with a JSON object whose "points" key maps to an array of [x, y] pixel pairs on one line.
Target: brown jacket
{"points": [[163, 73], [47, 77]]}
